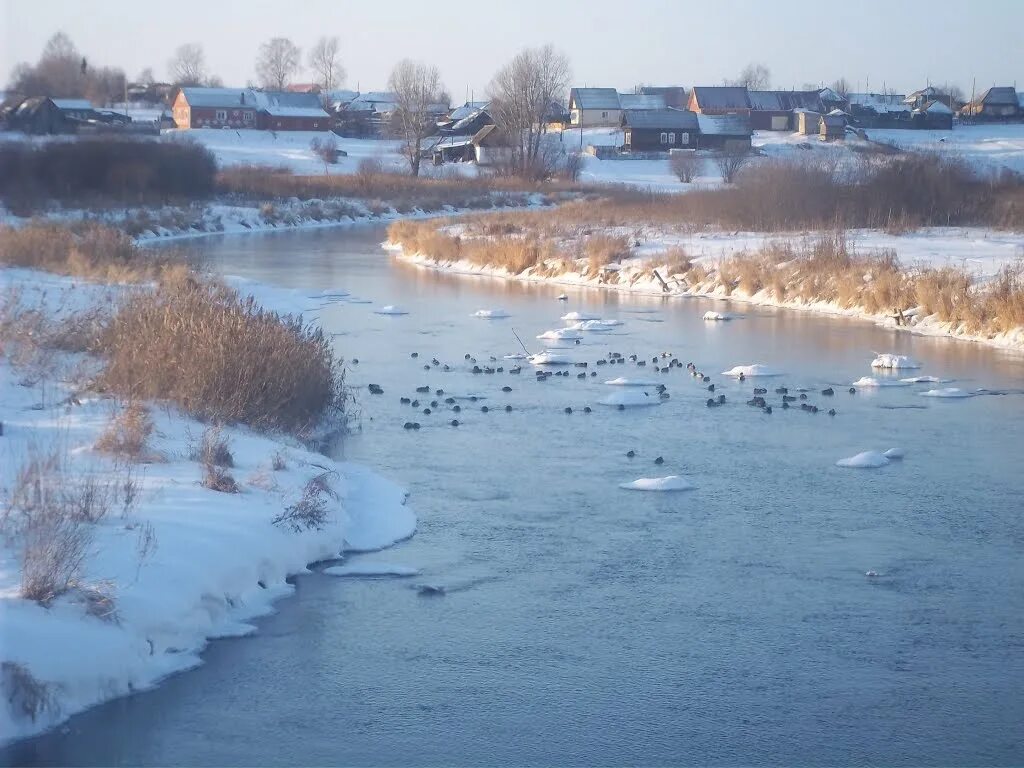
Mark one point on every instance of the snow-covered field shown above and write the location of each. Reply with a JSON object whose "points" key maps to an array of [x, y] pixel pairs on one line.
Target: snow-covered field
{"points": [[181, 563]]}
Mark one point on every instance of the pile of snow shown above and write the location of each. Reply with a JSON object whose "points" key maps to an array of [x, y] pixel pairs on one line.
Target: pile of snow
{"points": [[669, 483], [551, 358], [872, 381], [889, 360], [560, 334], [925, 380], [717, 316], [894, 453], [865, 460], [390, 310], [595, 325], [629, 398], [576, 316], [757, 369], [622, 381], [372, 569], [491, 314], [946, 392]]}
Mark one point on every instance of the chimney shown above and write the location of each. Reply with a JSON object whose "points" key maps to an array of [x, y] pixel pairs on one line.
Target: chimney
{"points": [[243, 97]]}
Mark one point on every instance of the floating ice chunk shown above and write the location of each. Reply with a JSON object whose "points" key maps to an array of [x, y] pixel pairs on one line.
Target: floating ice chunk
{"points": [[550, 358], [864, 460], [629, 398], [595, 325], [717, 316], [561, 334], [491, 314], [622, 381], [576, 316], [390, 310], [670, 483], [889, 360], [926, 380], [872, 381], [516, 356], [946, 392], [371, 569], [563, 297], [894, 453], [757, 369]]}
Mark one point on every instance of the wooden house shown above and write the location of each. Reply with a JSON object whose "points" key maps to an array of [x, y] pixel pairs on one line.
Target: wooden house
{"points": [[997, 104], [214, 108], [652, 130], [491, 147], [729, 133], [719, 100], [591, 107], [287, 111], [832, 126], [932, 115]]}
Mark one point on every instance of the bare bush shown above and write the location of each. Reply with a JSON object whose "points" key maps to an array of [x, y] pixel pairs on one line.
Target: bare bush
{"points": [[685, 165], [729, 163], [310, 511], [278, 462], [218, 479], [213, 449], [127, 433], [26, 695], [325, 148]]}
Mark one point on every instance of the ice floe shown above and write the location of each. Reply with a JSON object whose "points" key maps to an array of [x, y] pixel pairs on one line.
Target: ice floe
{"points": [[669, 483], [757, 369], [717, 316], [873, 381], [925, 380], [491, 314], [550, 358], [390, 310], [577, 316], [864, 460], [889, 360], [560, 334], [894, 453], [630, 398], [946, 392], [372, 569], [622, 381], [595, 325]]}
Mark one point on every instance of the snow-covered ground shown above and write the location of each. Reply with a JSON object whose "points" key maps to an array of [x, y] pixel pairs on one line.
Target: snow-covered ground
{"points": [[184, 563]]}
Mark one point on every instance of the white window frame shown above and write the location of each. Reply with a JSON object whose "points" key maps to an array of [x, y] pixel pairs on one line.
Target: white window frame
{"points": [[222, 115], [664, 137], [247, 116], [672, 138]]}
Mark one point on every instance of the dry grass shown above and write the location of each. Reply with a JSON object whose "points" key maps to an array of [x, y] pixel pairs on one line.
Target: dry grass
{"points": [[27, 696], [127, 433], [310, 511], [221, 358], [213, 449]]}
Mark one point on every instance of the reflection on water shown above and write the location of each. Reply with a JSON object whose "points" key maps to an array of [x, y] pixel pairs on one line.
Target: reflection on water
{"points": [[581, 624]]}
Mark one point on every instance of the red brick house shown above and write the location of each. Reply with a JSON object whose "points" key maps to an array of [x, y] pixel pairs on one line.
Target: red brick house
{"points": [[246, 108]]}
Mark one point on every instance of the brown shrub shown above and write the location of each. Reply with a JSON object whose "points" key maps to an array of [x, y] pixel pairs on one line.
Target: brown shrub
{"points": [[213, 449], [127, 433], [310, 510], [218, 479]]}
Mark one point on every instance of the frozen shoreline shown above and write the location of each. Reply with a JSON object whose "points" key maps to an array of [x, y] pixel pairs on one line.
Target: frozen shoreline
{"points": [[217, 561]]}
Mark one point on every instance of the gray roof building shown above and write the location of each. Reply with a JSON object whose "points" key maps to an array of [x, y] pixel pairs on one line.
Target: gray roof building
{"points": [[594, 98], [660, 119]]}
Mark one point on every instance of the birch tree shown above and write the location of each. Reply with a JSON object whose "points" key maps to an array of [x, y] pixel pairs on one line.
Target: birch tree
{"points": [[416, 87], [325, 63], [277, 63], [188, 65]]}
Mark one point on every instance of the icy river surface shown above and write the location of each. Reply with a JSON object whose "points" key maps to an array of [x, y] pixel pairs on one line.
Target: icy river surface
{"points": [[584, 624]]}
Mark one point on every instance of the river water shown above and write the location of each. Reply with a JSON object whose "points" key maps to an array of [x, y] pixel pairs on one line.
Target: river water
{"points": [[583, 624]]}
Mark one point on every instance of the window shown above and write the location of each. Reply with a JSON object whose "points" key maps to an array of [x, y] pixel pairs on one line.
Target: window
{"points": [[247, 116], [604, 114], [664, 138], [316, 125], [684, 138], [672, 138], [222, 115]]}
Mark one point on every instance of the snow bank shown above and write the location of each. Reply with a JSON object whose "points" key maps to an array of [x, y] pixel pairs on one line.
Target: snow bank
{"points": [[950, 392], [889, 360], [874, 382], [491, 314], [372, 569], [622, 381], [717, 316], [629, 398], [669, 483], [864, 460], [390, 310], [561, 334], [550, 358], [757, 369]]}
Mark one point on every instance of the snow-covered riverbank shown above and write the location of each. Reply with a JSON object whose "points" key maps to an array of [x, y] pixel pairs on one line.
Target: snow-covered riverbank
{"points": [[981, 252], [169, 564]]}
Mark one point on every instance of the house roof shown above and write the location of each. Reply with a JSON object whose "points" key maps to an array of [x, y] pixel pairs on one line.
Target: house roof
{"points": [[642, 101], [827, 94], [936, 107], [232, 98], [488, 131], [660, 119], [721, 96], [374, 101], [285, 104], [594, 98], [785, 101], [999, 95], [926, 93], [63, 104], [880, 102], [467, 109], [765, 101], [468, 120], [724, 125]]}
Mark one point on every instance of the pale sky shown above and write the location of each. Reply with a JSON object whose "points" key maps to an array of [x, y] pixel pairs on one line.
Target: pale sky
{"points": [[614, 43]]}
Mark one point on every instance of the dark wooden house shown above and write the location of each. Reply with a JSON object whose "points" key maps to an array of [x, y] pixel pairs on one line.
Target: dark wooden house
{"points": [[729, 133], [932, 115], [997, 104], [650, 130]]}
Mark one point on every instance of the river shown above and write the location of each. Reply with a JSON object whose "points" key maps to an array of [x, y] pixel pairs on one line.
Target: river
{"points": [[583, 624]]}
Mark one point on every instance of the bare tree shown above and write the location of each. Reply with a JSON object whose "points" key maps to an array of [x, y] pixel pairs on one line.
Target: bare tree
{"points": [[62, 67], [756, 77], [188, 65], [841, 87], [729, 163], [522, 93], [145, 77], [323, 60], [416, 87], [277, 63], [685, 165]]}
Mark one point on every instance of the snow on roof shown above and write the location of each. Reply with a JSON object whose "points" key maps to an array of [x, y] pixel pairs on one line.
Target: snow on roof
{"points": [[468, 109], [642, 101], [999, 95], [880, 102], [594, 98], [661, 119], [339, 98], [375, 101], [219, 97], [765, 101], [827, 94], [72, 103], [286, 104], [722, 96], [724, 125], [936, 108]]}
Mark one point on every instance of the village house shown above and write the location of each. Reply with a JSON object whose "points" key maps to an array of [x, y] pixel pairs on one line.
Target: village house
{"points": [[996, 104], [44, 115], [719, 100], [644, 101], [879, 110], [675, 96], [729, 133], [467, 119], [591, 107], [652, 130], [286, 111], [491, 147], [241, 108]]}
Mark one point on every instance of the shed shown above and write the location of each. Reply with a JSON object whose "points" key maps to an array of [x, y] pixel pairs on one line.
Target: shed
{"points": [[659, 130], [769, 111], [807, 121], [719, 100], [594, 107], [491, 147], [725, 132], [832, 126]]}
